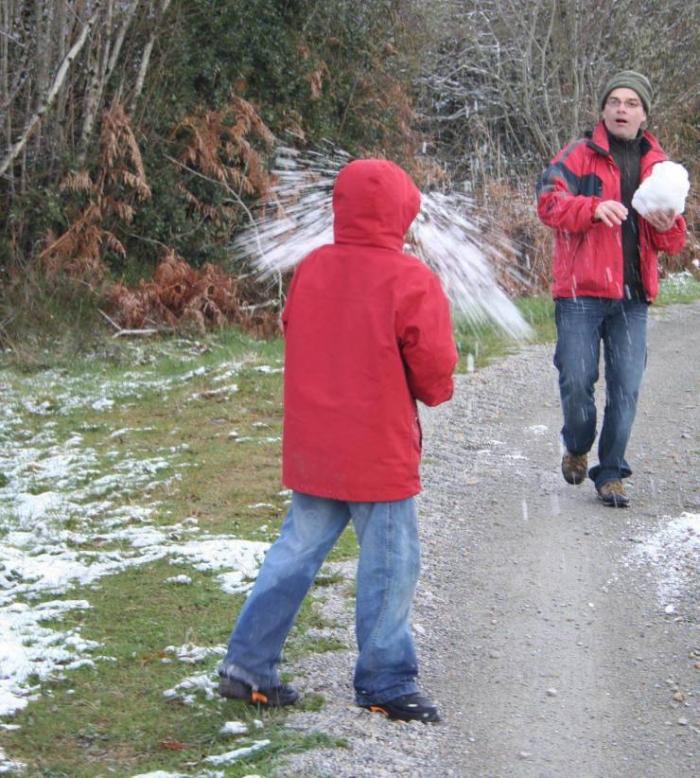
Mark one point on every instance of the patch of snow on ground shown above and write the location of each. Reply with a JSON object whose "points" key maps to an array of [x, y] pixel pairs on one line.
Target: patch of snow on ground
{"points": [[218, 552], [28, 649], [238, 753], [8, 765], [233, 728], [183, 580], [60, 526], [674, 553], [186, 690], [191, 654]]}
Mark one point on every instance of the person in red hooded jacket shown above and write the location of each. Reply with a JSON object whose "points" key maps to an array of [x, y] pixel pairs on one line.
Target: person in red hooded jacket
{"points": [[367, 333], [605, 275]]}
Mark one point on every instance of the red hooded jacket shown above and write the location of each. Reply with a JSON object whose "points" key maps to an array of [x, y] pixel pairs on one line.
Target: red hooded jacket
{"points": [[368, 332], [588, 258]]}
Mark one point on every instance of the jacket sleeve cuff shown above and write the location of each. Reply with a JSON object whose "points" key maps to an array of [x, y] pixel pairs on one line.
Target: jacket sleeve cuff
{"points": [[595, 202], [671, 241]]}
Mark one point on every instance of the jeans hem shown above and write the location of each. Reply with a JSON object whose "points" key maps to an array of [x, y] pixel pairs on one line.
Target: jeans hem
{"points": [[410, 687], [236, 673], [601, 476]]}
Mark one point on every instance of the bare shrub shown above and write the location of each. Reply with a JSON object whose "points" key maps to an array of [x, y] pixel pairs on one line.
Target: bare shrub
{"points": [[180, 296], [528, 246]]}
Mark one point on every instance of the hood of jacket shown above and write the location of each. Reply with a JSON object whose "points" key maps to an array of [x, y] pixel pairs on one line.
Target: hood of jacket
{"points": [[374, 203]]}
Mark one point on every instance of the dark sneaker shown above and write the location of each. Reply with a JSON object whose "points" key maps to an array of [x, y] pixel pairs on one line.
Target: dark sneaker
{"points": [[574, 467], [612, 493], [409, 707], [273, 697]]}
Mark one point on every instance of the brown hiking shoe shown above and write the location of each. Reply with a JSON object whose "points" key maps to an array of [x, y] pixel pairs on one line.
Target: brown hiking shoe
{"points": [[574, 467], [612, 493]]}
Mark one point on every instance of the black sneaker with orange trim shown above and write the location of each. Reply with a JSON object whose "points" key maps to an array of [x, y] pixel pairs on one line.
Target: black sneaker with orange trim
{"points": [[272, 697], [409, 707]]}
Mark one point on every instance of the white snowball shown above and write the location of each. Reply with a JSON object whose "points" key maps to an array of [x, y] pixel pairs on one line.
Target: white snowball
{"points": [[665, 189]]}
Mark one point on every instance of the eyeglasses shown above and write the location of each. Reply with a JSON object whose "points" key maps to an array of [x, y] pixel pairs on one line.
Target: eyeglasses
{"points": [[615, 102]]}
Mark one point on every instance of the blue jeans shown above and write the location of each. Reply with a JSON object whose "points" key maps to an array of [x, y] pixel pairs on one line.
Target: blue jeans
{"points": [[387, 574], [621, 325]]}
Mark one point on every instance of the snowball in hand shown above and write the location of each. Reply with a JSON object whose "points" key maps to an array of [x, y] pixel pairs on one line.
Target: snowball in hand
{"points": [[665, 189]]}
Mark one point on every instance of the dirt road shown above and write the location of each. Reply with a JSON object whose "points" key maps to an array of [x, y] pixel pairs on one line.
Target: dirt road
{"points": [[559, 636], [561, 647]]}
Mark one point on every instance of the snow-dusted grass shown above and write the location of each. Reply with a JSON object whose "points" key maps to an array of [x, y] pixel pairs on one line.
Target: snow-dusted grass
{"points": [[132, 521], [680, 287]]}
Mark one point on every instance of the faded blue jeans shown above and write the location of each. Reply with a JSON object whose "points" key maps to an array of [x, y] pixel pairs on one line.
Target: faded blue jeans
{"points": [[582, 324], [387, 574]]}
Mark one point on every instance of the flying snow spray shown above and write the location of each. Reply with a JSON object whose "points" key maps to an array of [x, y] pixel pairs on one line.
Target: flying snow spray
{"points": [[447, 235]]}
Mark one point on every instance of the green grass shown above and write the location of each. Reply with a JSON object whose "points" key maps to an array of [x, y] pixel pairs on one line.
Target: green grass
{"points": [[482, 344], [679, 288], [113, 719], [486, 343]]}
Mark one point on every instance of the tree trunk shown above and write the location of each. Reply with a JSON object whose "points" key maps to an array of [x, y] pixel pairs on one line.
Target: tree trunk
{"points": [[58, 81], [146, 56]]}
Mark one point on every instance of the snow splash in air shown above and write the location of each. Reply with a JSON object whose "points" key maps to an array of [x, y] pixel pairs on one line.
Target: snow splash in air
{"points": [[447, 235]]}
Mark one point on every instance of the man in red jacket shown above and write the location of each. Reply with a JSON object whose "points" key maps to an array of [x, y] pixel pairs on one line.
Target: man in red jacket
{"points": [[605, 275], [367, 333]]}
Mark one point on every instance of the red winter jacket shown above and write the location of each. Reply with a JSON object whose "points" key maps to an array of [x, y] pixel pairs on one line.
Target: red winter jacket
{"points": [[588, 254], [368, 332]]}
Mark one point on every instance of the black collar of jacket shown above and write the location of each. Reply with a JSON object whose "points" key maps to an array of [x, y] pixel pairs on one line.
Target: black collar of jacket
{"points": [[644, 146]]}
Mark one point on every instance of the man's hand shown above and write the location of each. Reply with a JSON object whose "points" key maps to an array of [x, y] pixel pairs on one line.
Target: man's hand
{"points": [[661, 220], [610, 212]]}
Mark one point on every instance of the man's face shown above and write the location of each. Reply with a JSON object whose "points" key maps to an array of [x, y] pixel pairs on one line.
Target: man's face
{"points": [[623, 113]]}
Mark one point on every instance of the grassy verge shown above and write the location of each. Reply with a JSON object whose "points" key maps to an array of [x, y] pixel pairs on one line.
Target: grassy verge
{"points": [[222, 470], [115, 720], [480, 345], [679, 288]]}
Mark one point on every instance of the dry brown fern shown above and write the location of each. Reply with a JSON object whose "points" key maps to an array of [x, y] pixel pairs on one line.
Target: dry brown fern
{"points": [[221, 146], [120, 181], [180, 296], [120, 156]]}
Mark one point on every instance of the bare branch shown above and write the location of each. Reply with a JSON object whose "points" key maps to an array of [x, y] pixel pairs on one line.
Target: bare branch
{"points": [[59, 78]]}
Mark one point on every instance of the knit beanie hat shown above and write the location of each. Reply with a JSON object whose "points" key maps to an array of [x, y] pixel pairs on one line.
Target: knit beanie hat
{"points": [[631, 80]]}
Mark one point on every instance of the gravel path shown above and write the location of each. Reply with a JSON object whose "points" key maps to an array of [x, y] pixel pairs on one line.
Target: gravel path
{"points": [[559, 636]]}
